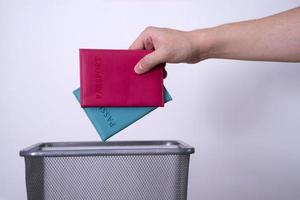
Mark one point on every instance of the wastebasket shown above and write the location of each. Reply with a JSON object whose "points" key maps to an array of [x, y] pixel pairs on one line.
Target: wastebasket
{"points": [[125, 170]]}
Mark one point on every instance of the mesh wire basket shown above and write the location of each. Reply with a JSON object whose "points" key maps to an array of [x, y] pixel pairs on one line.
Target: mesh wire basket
{"points": [[131, 170]]}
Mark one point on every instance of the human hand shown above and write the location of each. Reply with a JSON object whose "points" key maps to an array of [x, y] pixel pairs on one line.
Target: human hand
{"points": [[170, 46], [260, 39]]}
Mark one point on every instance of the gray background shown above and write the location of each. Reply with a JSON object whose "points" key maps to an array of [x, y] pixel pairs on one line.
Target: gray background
{"points": [[242, 117]]}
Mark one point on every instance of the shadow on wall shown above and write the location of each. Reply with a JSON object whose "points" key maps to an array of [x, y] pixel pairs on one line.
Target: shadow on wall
{"points": [[243, 98]]}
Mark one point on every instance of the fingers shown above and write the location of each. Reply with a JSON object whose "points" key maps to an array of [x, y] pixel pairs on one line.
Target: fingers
{"points": [[138, 43], [148, 43], [149, 61], [143, 41]]}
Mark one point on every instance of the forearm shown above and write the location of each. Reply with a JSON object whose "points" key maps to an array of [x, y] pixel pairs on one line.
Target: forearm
{"points": [[274, 38]]}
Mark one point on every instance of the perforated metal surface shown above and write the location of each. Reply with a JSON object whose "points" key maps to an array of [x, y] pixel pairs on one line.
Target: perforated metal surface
{"points": [[127, 177]]}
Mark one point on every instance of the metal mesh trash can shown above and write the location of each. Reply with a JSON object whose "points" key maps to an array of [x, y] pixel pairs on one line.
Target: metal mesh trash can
{"points": [[128, 170]]}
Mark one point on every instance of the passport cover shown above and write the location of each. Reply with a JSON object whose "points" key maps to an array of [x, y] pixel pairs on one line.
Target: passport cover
{"points": [[107, 78], [110, 120]]}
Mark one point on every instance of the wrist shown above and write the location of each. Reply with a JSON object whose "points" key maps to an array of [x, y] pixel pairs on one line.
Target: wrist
{"points": [[206, 42]]}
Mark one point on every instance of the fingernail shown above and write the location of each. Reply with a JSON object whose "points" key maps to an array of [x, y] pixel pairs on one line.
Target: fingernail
{"points": [[138, 69]]}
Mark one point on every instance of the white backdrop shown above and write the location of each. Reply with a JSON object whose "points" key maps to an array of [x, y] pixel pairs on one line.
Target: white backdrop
{"points": [[241, 117]]}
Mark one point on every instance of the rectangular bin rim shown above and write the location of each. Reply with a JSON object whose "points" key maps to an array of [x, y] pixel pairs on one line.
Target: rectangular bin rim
{"points": [[56, 149]]}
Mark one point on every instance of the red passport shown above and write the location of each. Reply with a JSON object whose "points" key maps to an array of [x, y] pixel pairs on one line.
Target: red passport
{"points": [[107, 78]]}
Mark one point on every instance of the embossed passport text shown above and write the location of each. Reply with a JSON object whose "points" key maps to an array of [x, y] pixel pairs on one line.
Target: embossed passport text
{"points": [[107, 78], [110, 120]]}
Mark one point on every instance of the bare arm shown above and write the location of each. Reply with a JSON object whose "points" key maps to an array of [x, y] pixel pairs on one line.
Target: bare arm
{"points": [[273, 38]]}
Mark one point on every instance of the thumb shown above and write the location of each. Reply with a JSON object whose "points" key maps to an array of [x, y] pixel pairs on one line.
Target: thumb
{"points": [[148, 62]]}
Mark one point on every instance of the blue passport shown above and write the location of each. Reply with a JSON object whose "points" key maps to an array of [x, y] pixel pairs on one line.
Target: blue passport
{"points": [[110, 120]]}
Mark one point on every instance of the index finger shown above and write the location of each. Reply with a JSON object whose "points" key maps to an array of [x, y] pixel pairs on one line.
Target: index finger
{"points": [[138, 43]]}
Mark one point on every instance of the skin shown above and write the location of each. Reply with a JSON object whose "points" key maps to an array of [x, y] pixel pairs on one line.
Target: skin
{"points": [[273, 38]]}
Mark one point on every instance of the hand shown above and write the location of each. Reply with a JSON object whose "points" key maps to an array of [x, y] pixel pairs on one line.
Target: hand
{"points": [[274, 38], [169, 45]]}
